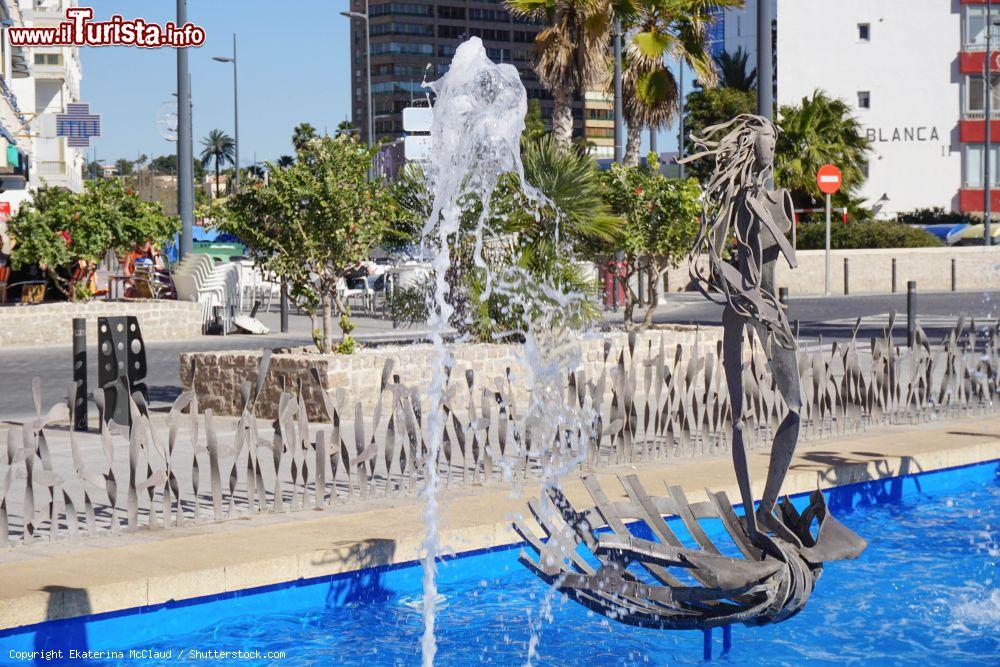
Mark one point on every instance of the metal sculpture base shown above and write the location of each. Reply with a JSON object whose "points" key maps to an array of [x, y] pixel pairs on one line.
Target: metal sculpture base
{"points": [[621, 559]]}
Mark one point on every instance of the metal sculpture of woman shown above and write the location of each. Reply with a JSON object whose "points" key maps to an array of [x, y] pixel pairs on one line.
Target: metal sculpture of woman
{"points": [[742, 238], [738, 205]]}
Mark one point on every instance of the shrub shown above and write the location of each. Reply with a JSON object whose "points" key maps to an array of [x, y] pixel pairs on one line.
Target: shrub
{"points": [[933, 216], [875, 234]]}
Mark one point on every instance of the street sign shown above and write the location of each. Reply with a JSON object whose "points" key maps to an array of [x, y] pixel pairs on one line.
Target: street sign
{"points": [[417, 119], [829, 179], [78, 125]]}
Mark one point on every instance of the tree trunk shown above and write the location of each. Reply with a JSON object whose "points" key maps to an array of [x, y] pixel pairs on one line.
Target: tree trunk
{"points": [[628, 310], [655, 276], [633, 145], [216, 176], [562, 117], [327, 323]]}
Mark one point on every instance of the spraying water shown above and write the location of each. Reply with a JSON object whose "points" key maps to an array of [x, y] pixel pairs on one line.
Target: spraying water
{"points": [[478, 118]]}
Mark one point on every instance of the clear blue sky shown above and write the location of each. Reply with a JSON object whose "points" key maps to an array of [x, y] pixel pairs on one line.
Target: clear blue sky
{"points": [[293, 68]]}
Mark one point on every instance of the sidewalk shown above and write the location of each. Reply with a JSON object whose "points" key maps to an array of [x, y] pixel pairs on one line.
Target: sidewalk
{"points": [[59, 580]]}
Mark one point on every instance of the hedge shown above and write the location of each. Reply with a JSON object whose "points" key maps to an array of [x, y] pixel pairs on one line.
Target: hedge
{"points": [[876, 234]]}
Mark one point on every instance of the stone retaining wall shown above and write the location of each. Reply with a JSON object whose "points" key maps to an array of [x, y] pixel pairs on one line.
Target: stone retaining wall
{"points": [[870, 271], [219, 375], [52, 323]]}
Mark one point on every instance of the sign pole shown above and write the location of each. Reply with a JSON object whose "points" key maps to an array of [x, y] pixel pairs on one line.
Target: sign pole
{"points": [[826, 282], [988, 83]]}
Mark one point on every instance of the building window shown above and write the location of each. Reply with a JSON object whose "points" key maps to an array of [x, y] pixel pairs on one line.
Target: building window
{"points": [[975, 26], [446, 12], [974, 166], [451, 31], [864, 99], [974, 97], [864, 32], [48, 59]]}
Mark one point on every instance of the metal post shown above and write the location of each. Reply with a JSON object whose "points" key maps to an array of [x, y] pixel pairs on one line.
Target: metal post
{"points": [[826, 262], [954, 279], [185, 156], [680, 115], [642, 299], [619, 120], [727, 638], [911, 312], [988, 84], [652, 142], [236, 116], [706, 645], [284, 307], [79, 402], [893, 275], [765, 62], [368, 74], [847, 289]]}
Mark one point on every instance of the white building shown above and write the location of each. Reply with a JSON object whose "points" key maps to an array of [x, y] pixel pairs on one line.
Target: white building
{"points": [[54, 83], [907, 68], [15, 140]]}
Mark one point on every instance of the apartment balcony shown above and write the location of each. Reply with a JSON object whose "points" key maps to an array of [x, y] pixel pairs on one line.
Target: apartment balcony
{"points": [[972, 127]]}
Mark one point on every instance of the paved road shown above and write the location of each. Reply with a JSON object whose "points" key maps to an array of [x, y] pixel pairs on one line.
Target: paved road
{"points": [[832, 318]]}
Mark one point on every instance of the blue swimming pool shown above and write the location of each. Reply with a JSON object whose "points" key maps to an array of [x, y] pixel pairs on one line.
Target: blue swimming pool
{"points": [[924, 592]]}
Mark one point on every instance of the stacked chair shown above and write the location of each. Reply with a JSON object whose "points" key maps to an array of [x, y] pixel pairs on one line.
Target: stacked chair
{"points": [[217, 286]]}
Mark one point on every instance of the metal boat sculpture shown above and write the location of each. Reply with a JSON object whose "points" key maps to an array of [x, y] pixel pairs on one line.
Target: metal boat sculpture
{"points": [[644, 574]]}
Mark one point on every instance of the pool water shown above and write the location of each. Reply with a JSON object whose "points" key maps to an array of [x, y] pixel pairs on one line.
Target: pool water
{"points": [[924, 592]]}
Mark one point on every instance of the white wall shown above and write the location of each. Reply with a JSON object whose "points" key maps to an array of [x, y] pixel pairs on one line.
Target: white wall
{"points": [[910, 67]]}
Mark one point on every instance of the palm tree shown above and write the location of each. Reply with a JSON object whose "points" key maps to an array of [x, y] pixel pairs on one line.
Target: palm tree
{"points": [[303, 134], [661, 29], [220, 148], [732, 68], [286, 161], [570, 53], [821, 130], [345, 127]]}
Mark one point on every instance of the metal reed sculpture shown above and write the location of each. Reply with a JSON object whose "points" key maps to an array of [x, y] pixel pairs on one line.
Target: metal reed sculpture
{"points": [[646, 575], [650, 402]]}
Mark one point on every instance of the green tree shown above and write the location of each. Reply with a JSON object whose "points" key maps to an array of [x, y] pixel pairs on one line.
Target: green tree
{"points": [[534, 124], [218, 147], [302, 135], [732, 69], [662, 30], [67, 234], [345, 127], [313, 221], [660, 225], [285, 161], [123, 166], [570, 53], [820, 130], [708, 107]]}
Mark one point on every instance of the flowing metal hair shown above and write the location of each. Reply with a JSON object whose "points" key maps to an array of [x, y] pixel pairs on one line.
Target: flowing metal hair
{"points": [[724, 203]]}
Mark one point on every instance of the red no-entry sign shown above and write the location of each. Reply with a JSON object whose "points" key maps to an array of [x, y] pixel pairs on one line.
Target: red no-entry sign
{"points": [[828, 179]]}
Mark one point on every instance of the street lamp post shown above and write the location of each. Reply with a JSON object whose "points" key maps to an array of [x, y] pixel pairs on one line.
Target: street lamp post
{"points": [[185, 150], [236, 108], [368, 68], [619, 120], [988, 85]]}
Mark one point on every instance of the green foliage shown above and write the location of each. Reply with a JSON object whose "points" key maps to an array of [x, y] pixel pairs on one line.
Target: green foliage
{"points": [[347, 342], [660, 213], [876, 234], [314, 220], [535, 126], [105, 216], [934, 216], [660, 222], [820, 130], [708, 107]]}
